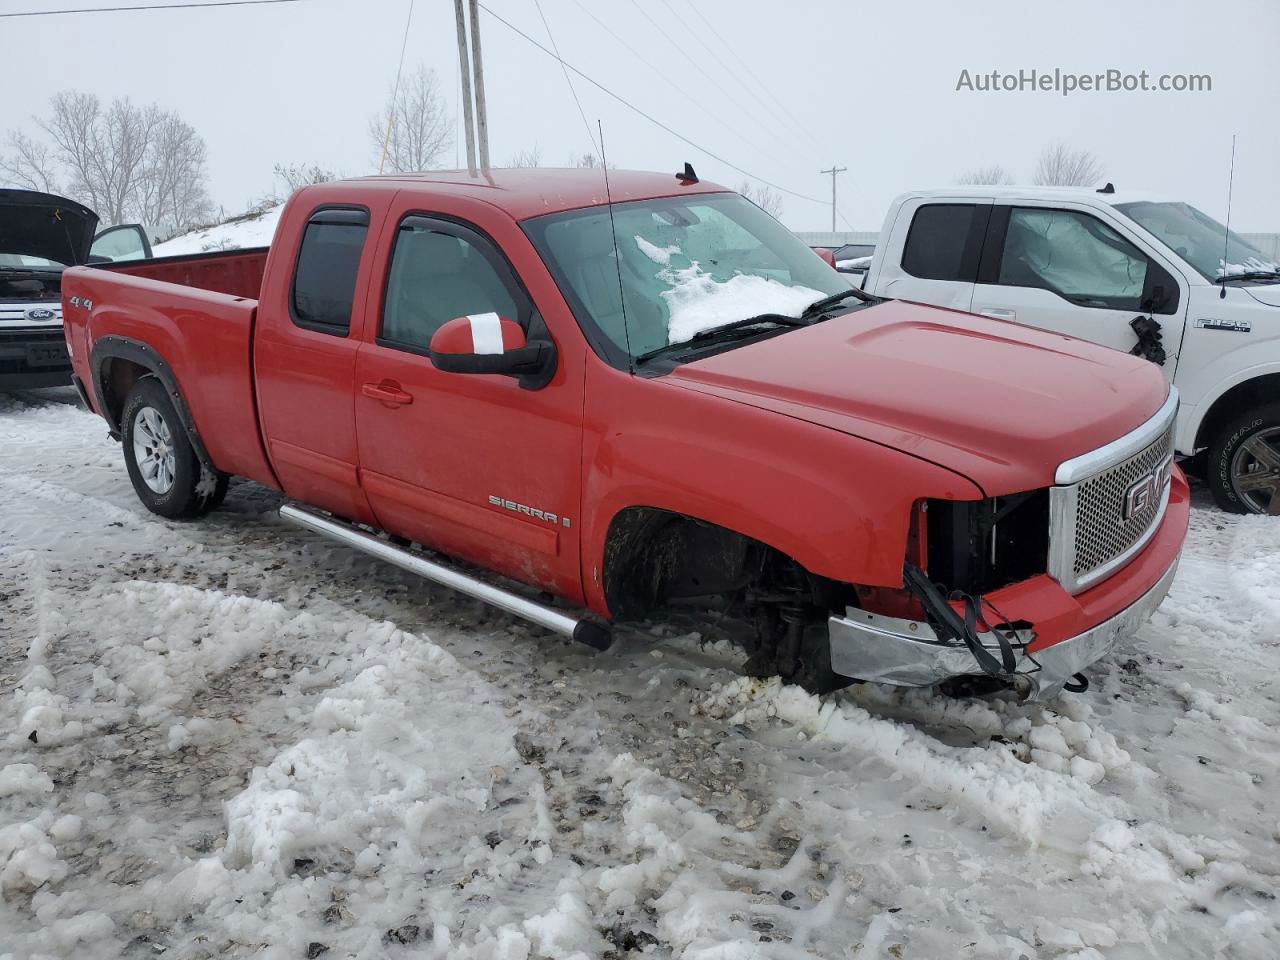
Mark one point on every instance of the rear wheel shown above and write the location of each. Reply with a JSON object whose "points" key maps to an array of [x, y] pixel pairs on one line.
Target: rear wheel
{"points": [[1244, 462], [163, 467]]}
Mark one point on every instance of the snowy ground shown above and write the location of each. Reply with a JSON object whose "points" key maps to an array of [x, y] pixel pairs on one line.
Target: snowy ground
{"points": [[230, 739]]}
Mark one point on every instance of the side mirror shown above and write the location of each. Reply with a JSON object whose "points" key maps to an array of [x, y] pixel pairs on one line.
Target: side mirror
{"points": [[828, 256], [488, 343]]}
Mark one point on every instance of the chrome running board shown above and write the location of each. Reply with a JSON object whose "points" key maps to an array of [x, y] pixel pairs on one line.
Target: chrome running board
{"points": [[567, 624]]}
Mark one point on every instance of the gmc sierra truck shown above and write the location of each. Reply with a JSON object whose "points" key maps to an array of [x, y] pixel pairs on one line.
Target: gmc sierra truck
{"points": [[40, 235], [1129, 270], [646, 395]]}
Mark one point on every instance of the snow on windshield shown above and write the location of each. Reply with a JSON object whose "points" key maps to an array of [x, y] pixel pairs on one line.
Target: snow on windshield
{"points": [[697, 300], [1250, 265]]}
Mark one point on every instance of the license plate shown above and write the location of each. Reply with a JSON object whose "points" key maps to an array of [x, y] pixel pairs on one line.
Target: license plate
{"points": [[46, 355]]}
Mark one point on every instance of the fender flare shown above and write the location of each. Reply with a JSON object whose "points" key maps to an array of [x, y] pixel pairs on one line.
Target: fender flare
{"points": [[145, 356]]}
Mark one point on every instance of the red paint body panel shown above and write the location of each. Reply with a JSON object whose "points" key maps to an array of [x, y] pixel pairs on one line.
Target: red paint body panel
{"points": [[237, 273], [205, 338], [1001, 404], [817, 441]]}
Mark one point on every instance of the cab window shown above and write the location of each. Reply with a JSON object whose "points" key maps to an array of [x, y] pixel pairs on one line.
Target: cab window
{"points": [[324, 280], [1075, 255], [440, 271]]}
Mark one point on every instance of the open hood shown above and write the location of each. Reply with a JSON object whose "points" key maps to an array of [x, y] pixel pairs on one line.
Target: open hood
{"points": [[42, 225], [996, 402]]}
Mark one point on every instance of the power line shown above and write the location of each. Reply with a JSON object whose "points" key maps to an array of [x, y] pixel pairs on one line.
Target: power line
{"points": [[696, 65], [749, 72], [395, 90], [729, 71], [654, 120], [153, 6], [581, 112], [661, 75]]}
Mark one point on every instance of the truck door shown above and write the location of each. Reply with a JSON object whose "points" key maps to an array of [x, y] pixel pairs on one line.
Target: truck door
{"points": [[1067, 270], [471, 465], [932, 251], [305, 356]]}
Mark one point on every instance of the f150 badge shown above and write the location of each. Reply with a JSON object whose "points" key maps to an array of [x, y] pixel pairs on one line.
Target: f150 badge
{"points": [[1146, 489], [528, 511], [1231, 326]]}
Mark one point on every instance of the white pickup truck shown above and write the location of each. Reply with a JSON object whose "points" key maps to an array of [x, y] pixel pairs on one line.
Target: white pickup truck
{"points": [[1132, 271]]}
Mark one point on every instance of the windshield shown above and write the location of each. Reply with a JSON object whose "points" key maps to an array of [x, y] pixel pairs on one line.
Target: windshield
{"points": [[687, 265], [22, 260], [1198, 239]]}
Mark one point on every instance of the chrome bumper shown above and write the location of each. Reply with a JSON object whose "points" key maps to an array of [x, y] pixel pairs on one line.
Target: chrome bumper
{"points": [[866, 646]]}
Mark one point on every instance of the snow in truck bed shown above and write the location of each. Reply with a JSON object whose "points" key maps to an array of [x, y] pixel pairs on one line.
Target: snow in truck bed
{"points": [[231, 739]]}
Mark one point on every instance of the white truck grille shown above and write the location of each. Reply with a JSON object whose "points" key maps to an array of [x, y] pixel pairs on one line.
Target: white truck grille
{"points": [[1108, 503]]}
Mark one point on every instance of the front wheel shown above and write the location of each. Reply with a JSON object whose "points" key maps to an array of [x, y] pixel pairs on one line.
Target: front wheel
{"points": [[163, 467], [1244, 462]]}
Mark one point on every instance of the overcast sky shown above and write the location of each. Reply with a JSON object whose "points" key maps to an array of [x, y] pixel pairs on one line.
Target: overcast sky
{"points": [[788, 88]]}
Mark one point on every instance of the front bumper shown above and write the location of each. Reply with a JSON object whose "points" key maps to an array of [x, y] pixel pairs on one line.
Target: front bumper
{"points": [[33, 358], [1070, 632], [904, 652]]}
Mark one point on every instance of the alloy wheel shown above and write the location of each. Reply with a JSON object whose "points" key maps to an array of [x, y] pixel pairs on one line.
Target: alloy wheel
{"points": [[1255, 472], [153, 450]]}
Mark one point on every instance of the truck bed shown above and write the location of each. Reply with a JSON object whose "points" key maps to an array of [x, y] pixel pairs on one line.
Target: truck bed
{"points": [[237, 273], [198, 323]]}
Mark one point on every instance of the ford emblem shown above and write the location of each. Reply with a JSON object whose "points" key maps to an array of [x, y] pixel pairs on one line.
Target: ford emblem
{"points": [[40, 313]]}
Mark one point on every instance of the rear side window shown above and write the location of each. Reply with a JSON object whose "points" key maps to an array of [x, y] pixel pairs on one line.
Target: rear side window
{"points": [[944, 241], [324, 281]]}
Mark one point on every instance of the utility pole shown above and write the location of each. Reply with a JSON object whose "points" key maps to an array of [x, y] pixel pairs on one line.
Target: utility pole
{"points": [[833, 171], [482, 121], [465, 66]]}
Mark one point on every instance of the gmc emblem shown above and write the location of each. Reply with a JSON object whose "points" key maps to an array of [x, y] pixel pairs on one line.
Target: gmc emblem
{"points": [[1146, 489]]}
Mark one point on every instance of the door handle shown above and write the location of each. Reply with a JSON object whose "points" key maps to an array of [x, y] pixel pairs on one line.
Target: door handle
{"points": [[388, 392], [997, 313]]}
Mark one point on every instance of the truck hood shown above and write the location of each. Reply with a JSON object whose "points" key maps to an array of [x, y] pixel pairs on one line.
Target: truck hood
{"points": [[42, 225], [999, 403], [1268, 293]]}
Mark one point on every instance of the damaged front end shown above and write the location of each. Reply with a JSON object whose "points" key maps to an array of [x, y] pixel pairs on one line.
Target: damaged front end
{"points": [[1076, 565]]}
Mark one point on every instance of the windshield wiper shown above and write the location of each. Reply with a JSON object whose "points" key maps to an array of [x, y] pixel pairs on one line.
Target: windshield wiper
{"points": [[726, 331], [826, 303], [1251, 275]]}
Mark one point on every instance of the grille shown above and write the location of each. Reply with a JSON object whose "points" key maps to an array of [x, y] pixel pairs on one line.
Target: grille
{"points": [[1102, 532]]}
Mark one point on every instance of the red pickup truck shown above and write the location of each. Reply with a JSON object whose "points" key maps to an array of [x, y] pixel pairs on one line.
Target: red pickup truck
{"points": [[646, 399]]}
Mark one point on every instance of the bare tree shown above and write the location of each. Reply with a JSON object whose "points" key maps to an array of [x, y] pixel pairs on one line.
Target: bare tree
{"points": [[414, 128], [586, 160], [298, 175], [31, 164], [766, 198], [532, 157], [1061, 166], [127, 162], [171, 196], [993, 174]]}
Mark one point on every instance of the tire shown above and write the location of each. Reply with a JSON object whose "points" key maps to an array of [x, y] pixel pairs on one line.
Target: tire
{"points": [[163, 467], [1243, 466]]}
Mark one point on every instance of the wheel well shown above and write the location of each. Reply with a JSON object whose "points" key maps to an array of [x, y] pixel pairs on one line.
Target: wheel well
{"points": [[117, 378], [1240, 397], [652, 556]]}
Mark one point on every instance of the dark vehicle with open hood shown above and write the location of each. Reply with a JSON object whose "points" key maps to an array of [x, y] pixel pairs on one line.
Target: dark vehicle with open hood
{"points": [[41, 235], [648, 396]]}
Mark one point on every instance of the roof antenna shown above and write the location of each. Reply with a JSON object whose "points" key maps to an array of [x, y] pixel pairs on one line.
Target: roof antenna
{"points": [[617, 257], [687, 176], [1226, 234]]}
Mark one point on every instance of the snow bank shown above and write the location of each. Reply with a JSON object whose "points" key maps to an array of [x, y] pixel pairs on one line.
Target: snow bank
{"points": [[253, 229]]}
